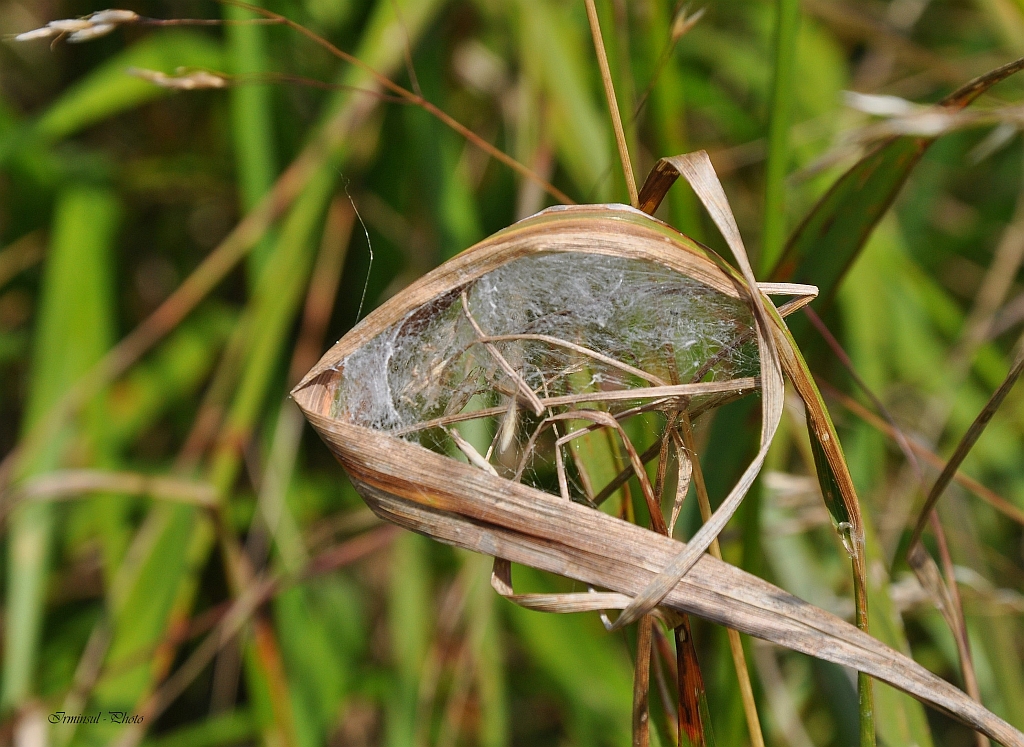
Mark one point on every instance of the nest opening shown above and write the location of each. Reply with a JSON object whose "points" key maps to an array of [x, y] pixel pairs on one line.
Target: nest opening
{"points": [[524, 346]]}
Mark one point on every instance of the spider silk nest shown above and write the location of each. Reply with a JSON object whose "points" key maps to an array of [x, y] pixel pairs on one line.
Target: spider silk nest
{"points": [[567, 325]]}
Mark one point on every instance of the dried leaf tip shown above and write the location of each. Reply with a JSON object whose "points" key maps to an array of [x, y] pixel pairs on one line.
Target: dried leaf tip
{"points": [[182, 80], [684, 21], [89, 27]]}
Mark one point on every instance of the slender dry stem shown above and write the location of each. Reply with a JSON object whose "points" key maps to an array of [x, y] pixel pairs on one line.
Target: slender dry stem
{"points": [[993, 499], [412, 98], [966, 444], [613, 104], [735, 645]]}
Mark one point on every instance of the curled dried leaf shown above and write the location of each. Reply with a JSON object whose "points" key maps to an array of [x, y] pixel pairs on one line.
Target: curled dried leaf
{"points": [[593, 309]]}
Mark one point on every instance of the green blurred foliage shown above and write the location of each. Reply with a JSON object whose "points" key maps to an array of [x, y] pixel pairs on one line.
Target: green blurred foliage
{"points": [[112, 191]]}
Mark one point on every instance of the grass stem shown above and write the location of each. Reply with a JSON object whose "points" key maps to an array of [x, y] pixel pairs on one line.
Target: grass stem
{"points": [[613, 105], [735, 645], [783, 83]]}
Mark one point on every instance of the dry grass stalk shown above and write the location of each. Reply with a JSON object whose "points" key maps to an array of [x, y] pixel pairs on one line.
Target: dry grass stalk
{"points": [[613, 104], [63, 485], [945, 595], [643, 571], [989, 496]]}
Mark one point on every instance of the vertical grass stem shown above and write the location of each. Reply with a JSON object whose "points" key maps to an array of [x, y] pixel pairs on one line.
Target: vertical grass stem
{"points": [[613, 105], [786, 28], [735, 645]]}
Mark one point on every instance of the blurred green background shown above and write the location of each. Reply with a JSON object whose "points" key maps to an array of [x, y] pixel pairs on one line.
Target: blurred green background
{"points": [[125, 593]]}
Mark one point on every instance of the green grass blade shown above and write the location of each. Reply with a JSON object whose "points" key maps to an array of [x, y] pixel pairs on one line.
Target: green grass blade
{"points": [[830, 238], [557, 57], [409, 624], [252, 121], [666, 110], [900, 718], [175, 543], [231, 728], [322, 634], [492, 684], [787, 23], [75, 328]]}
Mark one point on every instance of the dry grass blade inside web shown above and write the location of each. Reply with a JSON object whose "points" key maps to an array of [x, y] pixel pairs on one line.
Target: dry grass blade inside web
{"points": [[658, 393]]}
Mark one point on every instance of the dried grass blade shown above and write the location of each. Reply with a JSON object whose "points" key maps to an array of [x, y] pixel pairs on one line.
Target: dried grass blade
{"points": [[613, 104], [929, 576], [698, 171], [694, 717], [990, 497], [465, 506], [666, 670], [429, 493], [945, 595], [967, 443], [475, 457], [662, 472], [682, 486], [603, 418], [674, 391], [19, 255], [569, 603], [642, 683], [67, 484]]}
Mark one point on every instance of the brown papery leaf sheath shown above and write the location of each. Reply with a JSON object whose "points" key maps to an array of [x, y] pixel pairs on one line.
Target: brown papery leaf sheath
{"points": [[465, 506]]}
